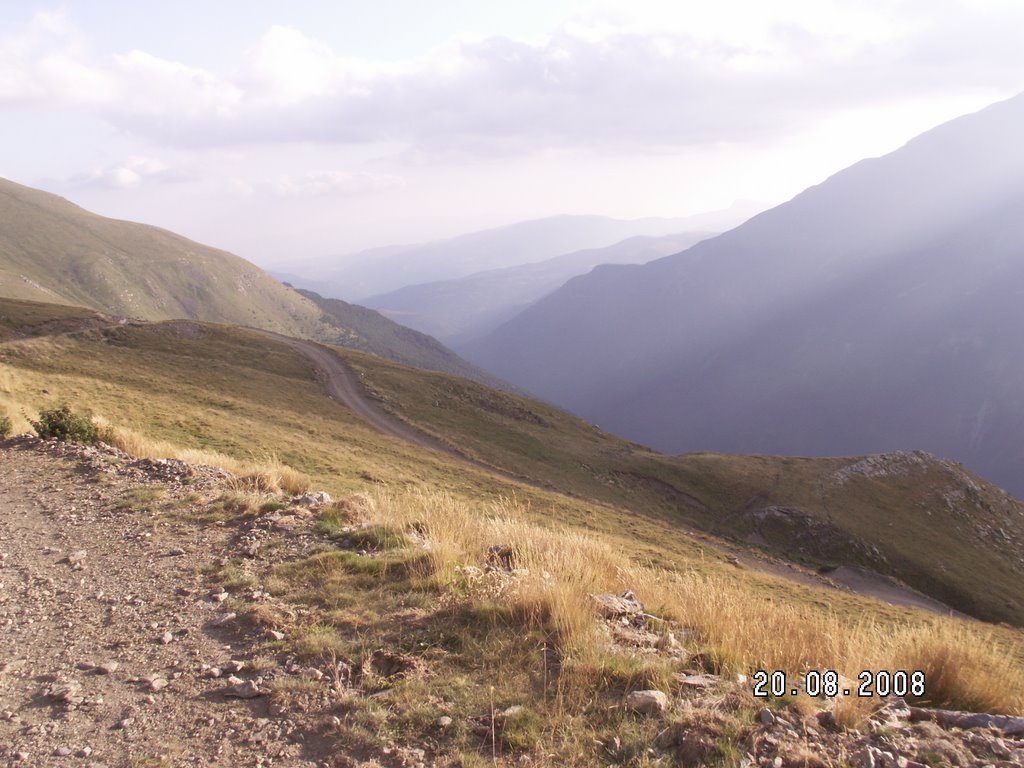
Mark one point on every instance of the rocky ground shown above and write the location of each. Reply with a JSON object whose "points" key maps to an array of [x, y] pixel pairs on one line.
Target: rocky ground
{"points": [[115, 649], [120, 644]]}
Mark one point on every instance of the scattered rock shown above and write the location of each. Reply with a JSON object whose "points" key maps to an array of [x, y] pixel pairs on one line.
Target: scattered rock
{"points": [[166, 638], [618, 606], [76, 558], [443, 722], [647, 702], [67, 693], [390, 664], [700, 682], [766, 718], [314, 499], [243, 690]]}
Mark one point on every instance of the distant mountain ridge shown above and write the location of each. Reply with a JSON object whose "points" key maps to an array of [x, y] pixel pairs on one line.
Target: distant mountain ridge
{"points": [[458, 311], [873, 312], [53, 251], [381, 270]]}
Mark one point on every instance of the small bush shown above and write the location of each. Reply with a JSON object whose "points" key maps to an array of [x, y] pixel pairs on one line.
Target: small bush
{"points": [[63, 424], [5, 426]]}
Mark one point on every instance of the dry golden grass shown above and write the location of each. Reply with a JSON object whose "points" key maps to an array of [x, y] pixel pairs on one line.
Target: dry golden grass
{"points": [[738, 628], [266, 475]]}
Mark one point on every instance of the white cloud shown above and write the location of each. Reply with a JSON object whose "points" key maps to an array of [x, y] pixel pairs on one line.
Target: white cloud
{"points": [[46, 61], [322, 183], [731, 71], [130, 174]]}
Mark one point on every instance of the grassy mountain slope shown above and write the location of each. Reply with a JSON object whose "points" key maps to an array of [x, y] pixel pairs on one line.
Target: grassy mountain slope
{"points": [[457, 311], [873, 312], [485, 644], [53, 251], [925, 521]]}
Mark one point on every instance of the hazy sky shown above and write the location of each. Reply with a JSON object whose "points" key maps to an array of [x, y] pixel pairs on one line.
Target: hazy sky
{"points": [[284, 131]]}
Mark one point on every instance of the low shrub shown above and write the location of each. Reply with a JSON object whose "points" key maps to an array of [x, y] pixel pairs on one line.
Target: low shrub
{"points": [[63, 424], [5, 426]]}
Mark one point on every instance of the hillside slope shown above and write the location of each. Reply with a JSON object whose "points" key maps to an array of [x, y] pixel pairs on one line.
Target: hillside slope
{"points": [[924, 520], [920, 519], [458, 311], [874, 312], [53, 251]]}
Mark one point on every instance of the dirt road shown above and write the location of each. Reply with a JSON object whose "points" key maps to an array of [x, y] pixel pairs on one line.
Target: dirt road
{"points": [[343, 385]]}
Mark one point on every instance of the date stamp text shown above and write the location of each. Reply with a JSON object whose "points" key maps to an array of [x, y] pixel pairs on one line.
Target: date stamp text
{"points": [[830, 684]]}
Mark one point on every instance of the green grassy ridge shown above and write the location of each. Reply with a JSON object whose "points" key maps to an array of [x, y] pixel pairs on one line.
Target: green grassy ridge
{"points": [[921, 526], [54, 251]]}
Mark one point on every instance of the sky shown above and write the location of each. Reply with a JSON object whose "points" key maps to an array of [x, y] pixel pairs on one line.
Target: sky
{"points": [[287, 132]]}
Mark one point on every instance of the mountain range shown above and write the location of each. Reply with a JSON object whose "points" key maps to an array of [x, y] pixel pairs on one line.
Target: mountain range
{"points": [[872, 312], [460, 310], [381, 270]]}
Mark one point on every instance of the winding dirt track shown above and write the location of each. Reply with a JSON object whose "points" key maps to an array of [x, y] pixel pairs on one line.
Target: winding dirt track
{"points": [[343, 385]]}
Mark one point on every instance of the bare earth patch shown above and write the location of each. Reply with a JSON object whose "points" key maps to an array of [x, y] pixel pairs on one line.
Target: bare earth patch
{"points": [[108, 630]]}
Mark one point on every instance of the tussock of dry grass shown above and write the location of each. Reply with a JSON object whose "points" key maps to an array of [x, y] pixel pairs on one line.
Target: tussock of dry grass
{"points": [[738, 628], [268, 475]]}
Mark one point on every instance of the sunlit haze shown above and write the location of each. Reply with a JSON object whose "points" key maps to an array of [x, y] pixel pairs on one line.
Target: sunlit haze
{"points": [[286, 132]]}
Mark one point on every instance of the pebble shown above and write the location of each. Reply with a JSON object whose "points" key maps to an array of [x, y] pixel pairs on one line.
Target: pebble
{"points": [[158, 684], [166, 638], [107, 668], [243, 690], [62, 751], [443, 722], [123, 723], [84, 752]]}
